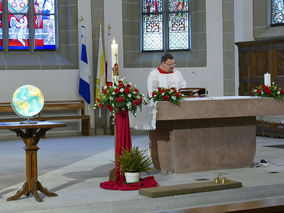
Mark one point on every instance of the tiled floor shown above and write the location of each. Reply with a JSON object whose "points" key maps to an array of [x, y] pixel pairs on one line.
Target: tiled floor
{"points": [[73, 167]]}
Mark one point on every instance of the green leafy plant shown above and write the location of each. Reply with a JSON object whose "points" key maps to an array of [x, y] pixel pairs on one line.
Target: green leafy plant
{"points": [[134, 160], [163, 94]]}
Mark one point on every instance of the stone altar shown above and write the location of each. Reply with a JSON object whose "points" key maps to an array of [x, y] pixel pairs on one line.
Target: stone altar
{"points": [[208, 133]]}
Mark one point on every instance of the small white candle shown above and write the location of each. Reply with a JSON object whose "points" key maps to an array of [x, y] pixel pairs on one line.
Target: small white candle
{"points": [[267, 79], [114, 52]]}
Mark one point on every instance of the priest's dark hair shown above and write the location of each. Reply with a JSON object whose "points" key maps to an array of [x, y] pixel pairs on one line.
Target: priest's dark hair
{"points": [[165, 57]]}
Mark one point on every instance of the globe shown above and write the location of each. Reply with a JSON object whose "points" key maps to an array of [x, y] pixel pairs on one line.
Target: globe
{"points": [[27, 101]]}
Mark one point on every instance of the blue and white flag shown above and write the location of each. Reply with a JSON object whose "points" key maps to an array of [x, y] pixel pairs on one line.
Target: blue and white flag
{"points": [[84, 83]]}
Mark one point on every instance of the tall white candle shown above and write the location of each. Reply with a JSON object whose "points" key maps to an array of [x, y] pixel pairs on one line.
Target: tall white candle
{"points": [[114, 53], [267, 79]]}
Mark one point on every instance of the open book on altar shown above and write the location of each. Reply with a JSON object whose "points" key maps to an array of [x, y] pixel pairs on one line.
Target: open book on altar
{"points": [[192, 92]]}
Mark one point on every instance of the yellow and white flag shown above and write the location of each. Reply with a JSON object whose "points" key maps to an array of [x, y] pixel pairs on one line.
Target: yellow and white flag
{"points": [[101, 78]]}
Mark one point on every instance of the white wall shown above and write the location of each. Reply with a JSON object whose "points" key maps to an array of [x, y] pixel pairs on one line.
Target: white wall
{"points": [[210, 77], [54, 84]]}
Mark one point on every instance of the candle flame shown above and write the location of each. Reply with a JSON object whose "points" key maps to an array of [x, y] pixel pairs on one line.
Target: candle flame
{"points": [[113, 41]]}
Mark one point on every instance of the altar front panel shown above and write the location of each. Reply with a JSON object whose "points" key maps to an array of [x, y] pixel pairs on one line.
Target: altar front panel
{"points": [[204, 144], [208, 134]]}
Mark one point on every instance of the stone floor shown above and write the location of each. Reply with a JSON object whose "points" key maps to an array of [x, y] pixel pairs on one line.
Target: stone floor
{"points": [[73, 167]]}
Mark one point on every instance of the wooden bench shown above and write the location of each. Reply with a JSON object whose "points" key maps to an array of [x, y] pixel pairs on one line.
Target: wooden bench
{"points": [[259, 206], [55, 106]]}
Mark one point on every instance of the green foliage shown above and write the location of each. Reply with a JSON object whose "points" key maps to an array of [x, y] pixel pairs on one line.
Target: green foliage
{"points": [[134, 160]]}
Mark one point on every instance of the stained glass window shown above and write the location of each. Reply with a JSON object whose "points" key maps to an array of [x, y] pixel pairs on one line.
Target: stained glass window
{"points": [[18, 22], [1, 31], [166, 25], [277, 12], [28, 28], [44, 22]]}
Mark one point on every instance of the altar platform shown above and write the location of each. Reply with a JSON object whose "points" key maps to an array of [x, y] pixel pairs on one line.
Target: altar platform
{"points": [[73, 167]]}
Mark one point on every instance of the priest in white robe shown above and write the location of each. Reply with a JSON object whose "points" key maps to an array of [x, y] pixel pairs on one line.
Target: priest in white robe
{"points": [[165, 76]]}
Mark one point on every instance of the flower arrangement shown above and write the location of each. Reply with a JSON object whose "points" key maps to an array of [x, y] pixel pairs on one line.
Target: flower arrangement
{"points": [[163, 94], [273, 91], [120, 95]]}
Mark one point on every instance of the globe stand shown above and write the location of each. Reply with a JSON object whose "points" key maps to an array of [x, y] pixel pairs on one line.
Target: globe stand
{"points": [[28, 122]]}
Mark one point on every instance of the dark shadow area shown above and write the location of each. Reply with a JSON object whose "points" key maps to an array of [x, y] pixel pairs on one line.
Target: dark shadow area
{"points": [[81, 176], [279, 146]]}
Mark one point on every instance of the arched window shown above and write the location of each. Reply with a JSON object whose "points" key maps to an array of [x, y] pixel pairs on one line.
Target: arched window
{"points": [[28, 24], [277, 13], [165, 25]]}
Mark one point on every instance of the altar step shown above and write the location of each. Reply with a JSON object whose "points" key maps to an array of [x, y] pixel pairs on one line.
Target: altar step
{"points": [[162, 191], [275, 205]]}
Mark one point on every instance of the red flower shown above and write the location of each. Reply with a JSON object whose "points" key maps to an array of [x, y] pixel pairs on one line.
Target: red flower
{"points": [[109, 108], [282, 92], [116, 90], [159, 88], [98, 100], [109, 84], [264, 87], [136, 90], [136, 102], [153, 94], [119, 100], [162, 91], [140, 100], [177, 94], [128, 85], [168, 90], [166, 98], [121, 85], [101, 106], [268, 91], [105, 92], [127, 90], [258, 91]]}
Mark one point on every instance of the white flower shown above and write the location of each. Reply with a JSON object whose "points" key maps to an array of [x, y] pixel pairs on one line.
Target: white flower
{"points": [[112, 105], [174, 98], [262, 92], [105, 87], [128, 104], [163, 93], [278, 92], [129, 95], [121, 90], [110, 98], [113, 93]]}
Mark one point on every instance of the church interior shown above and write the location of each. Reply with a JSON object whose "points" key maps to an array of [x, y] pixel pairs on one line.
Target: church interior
{"points": [[224, 48]]}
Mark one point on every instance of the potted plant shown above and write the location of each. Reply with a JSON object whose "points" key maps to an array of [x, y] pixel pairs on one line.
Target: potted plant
{"points": [[133, 162]]}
